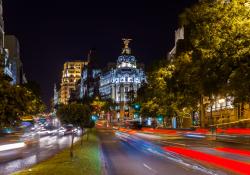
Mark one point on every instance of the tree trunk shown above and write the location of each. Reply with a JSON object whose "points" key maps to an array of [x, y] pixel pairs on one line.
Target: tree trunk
{"points": [[181, 122], [72, 146], [238, 110], [242, 110], [87, 132], [82, 136], [202, 113]]}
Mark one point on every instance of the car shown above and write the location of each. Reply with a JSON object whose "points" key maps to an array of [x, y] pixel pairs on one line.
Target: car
{"points": [[65, 130], [78, 131], [61, 131], [43, 132], [30, 138]]}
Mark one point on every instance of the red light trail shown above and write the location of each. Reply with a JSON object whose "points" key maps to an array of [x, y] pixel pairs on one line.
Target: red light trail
{"points": [[236, 166]]}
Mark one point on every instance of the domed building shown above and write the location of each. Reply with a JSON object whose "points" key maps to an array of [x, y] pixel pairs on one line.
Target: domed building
{"points": [[121, 83]]}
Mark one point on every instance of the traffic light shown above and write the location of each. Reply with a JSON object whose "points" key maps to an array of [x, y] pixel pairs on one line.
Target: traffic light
{"points": [[137, 106], [160, 118], [136, 115], [94, 118]]}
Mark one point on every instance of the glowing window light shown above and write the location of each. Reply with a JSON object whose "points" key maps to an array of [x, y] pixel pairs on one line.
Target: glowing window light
{"points": [[222, 100]]}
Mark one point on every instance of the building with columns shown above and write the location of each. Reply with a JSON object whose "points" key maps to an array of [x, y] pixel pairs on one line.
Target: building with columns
{"points": [[121, 83]]}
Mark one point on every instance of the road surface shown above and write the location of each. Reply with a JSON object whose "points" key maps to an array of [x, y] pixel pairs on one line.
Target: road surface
{"points": [[123, 157]]}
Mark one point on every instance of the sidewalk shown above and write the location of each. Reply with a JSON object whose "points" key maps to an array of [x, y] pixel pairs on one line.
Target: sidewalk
{"points": [[86, 160]]}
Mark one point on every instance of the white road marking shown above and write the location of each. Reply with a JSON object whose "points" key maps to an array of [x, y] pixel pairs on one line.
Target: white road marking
{"points": [[148, 167]]}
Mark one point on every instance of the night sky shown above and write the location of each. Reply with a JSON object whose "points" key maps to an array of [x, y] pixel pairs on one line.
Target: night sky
{"points": [[51, 32]]}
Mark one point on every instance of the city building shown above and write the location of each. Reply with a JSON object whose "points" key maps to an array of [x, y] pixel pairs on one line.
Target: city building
{"points": [[223, 113], [10, 61], [13, 63], [179, 35], [118, 82], [56, 97], [121, 83], [71, 74], [89, 84], [1, 28], [3, 52]]}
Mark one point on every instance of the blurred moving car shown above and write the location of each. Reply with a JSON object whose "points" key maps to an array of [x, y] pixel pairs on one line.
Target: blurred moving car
{"points": [[43, 132], [61, 131], [30, 138], [65, 130], [11, 144], [69, 129]]}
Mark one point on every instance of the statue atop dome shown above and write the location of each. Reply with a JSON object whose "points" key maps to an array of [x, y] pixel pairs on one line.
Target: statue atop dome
{"points": [[126, 50]]}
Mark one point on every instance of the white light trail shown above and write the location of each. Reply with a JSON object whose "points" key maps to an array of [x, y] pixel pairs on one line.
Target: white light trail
{"points": [[12, 146]]}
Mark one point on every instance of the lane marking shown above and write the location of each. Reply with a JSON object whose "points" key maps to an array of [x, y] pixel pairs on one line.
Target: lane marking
{"points": [[148, 167]]}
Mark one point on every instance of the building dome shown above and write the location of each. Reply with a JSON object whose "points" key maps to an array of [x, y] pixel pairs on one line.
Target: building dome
{"points": [[121, 84], [126, 60]]}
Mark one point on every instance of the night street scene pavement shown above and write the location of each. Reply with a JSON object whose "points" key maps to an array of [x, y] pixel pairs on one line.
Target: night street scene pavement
{"points": [[125, 87]]}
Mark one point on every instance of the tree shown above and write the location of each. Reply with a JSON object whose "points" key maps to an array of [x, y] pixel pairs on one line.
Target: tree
{"points": [[76, 114], [10, 106], [33, 87], [109, 107], [98, 105], [155, 97], [15, 102], [212, 60]]}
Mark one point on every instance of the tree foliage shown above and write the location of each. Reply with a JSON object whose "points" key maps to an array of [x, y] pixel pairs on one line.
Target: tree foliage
{"points": [[16, 101], [75, 114], [98, 104], [212, 60], [217, 45], [79, 115]]}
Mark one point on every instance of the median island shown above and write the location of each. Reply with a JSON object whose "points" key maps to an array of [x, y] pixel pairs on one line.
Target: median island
{"points": [[86, 160]]}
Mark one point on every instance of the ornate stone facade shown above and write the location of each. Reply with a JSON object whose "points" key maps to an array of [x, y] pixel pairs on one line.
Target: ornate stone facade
{"points": [[121, 84]]}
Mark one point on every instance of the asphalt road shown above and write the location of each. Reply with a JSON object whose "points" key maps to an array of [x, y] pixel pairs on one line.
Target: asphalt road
{"points": [[207, 146], [171, 154], [18, 159], [126, 157]]}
